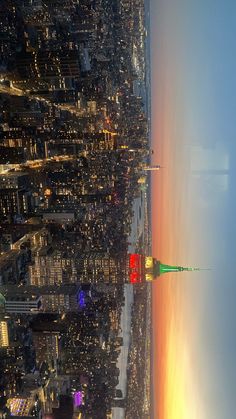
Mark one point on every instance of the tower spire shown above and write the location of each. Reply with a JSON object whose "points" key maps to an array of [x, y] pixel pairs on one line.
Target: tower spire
{"points": [[152, 168], [163, 268], [148, 268]]}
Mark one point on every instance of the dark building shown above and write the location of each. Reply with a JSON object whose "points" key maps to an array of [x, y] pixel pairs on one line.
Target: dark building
{"points": [[12, 155], [65, 411], [15, 194]]}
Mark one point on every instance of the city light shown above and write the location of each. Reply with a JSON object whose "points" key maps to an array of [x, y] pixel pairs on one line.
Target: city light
{"points": [[74, 141], [78, 398], [81, 299]]}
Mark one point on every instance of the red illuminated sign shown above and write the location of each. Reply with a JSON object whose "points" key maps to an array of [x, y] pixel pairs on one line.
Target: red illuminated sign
{"points": [[134, 277], [134, 261], [135, 268]]}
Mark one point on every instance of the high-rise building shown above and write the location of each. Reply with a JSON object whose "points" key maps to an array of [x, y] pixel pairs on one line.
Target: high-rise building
{"points": [[60, 302], [152, 168], [53, 267], [15, 194], [13, 266], [21, 304], [47, 347], [21, 407], [4, 337], [54, 67], [97, 267], [147, 268]]}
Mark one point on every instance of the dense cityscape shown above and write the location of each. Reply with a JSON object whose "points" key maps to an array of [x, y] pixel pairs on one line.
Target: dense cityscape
{"points": [[75, 335]]}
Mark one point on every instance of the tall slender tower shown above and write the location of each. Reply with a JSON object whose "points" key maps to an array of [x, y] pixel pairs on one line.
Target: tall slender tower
{"points": [[152, 168], [147, 269]]}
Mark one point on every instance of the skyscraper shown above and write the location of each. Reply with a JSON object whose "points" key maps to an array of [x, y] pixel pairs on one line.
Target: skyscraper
{"points": [[22, 304], [152, 168], [146, 268], [4, 338]]}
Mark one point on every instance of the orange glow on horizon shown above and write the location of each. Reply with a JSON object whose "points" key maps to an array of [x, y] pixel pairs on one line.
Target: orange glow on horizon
{"points": [[172, 365]]}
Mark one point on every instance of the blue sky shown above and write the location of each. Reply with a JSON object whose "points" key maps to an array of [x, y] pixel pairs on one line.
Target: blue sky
{"points": [[194, 103]]}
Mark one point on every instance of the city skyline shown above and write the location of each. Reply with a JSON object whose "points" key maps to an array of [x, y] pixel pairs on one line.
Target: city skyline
{"points": [[74, 142]]}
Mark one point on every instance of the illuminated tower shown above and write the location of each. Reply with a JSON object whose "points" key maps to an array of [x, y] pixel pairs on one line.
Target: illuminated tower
{"points": [[147, 269], [152, 168]]}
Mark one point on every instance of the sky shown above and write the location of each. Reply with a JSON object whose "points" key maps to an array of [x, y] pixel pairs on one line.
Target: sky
{"points": [[193, 53]]}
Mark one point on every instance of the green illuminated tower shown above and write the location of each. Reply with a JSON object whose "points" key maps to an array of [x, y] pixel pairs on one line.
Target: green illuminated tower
{"points": [[146, 268], [160, 268]]}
